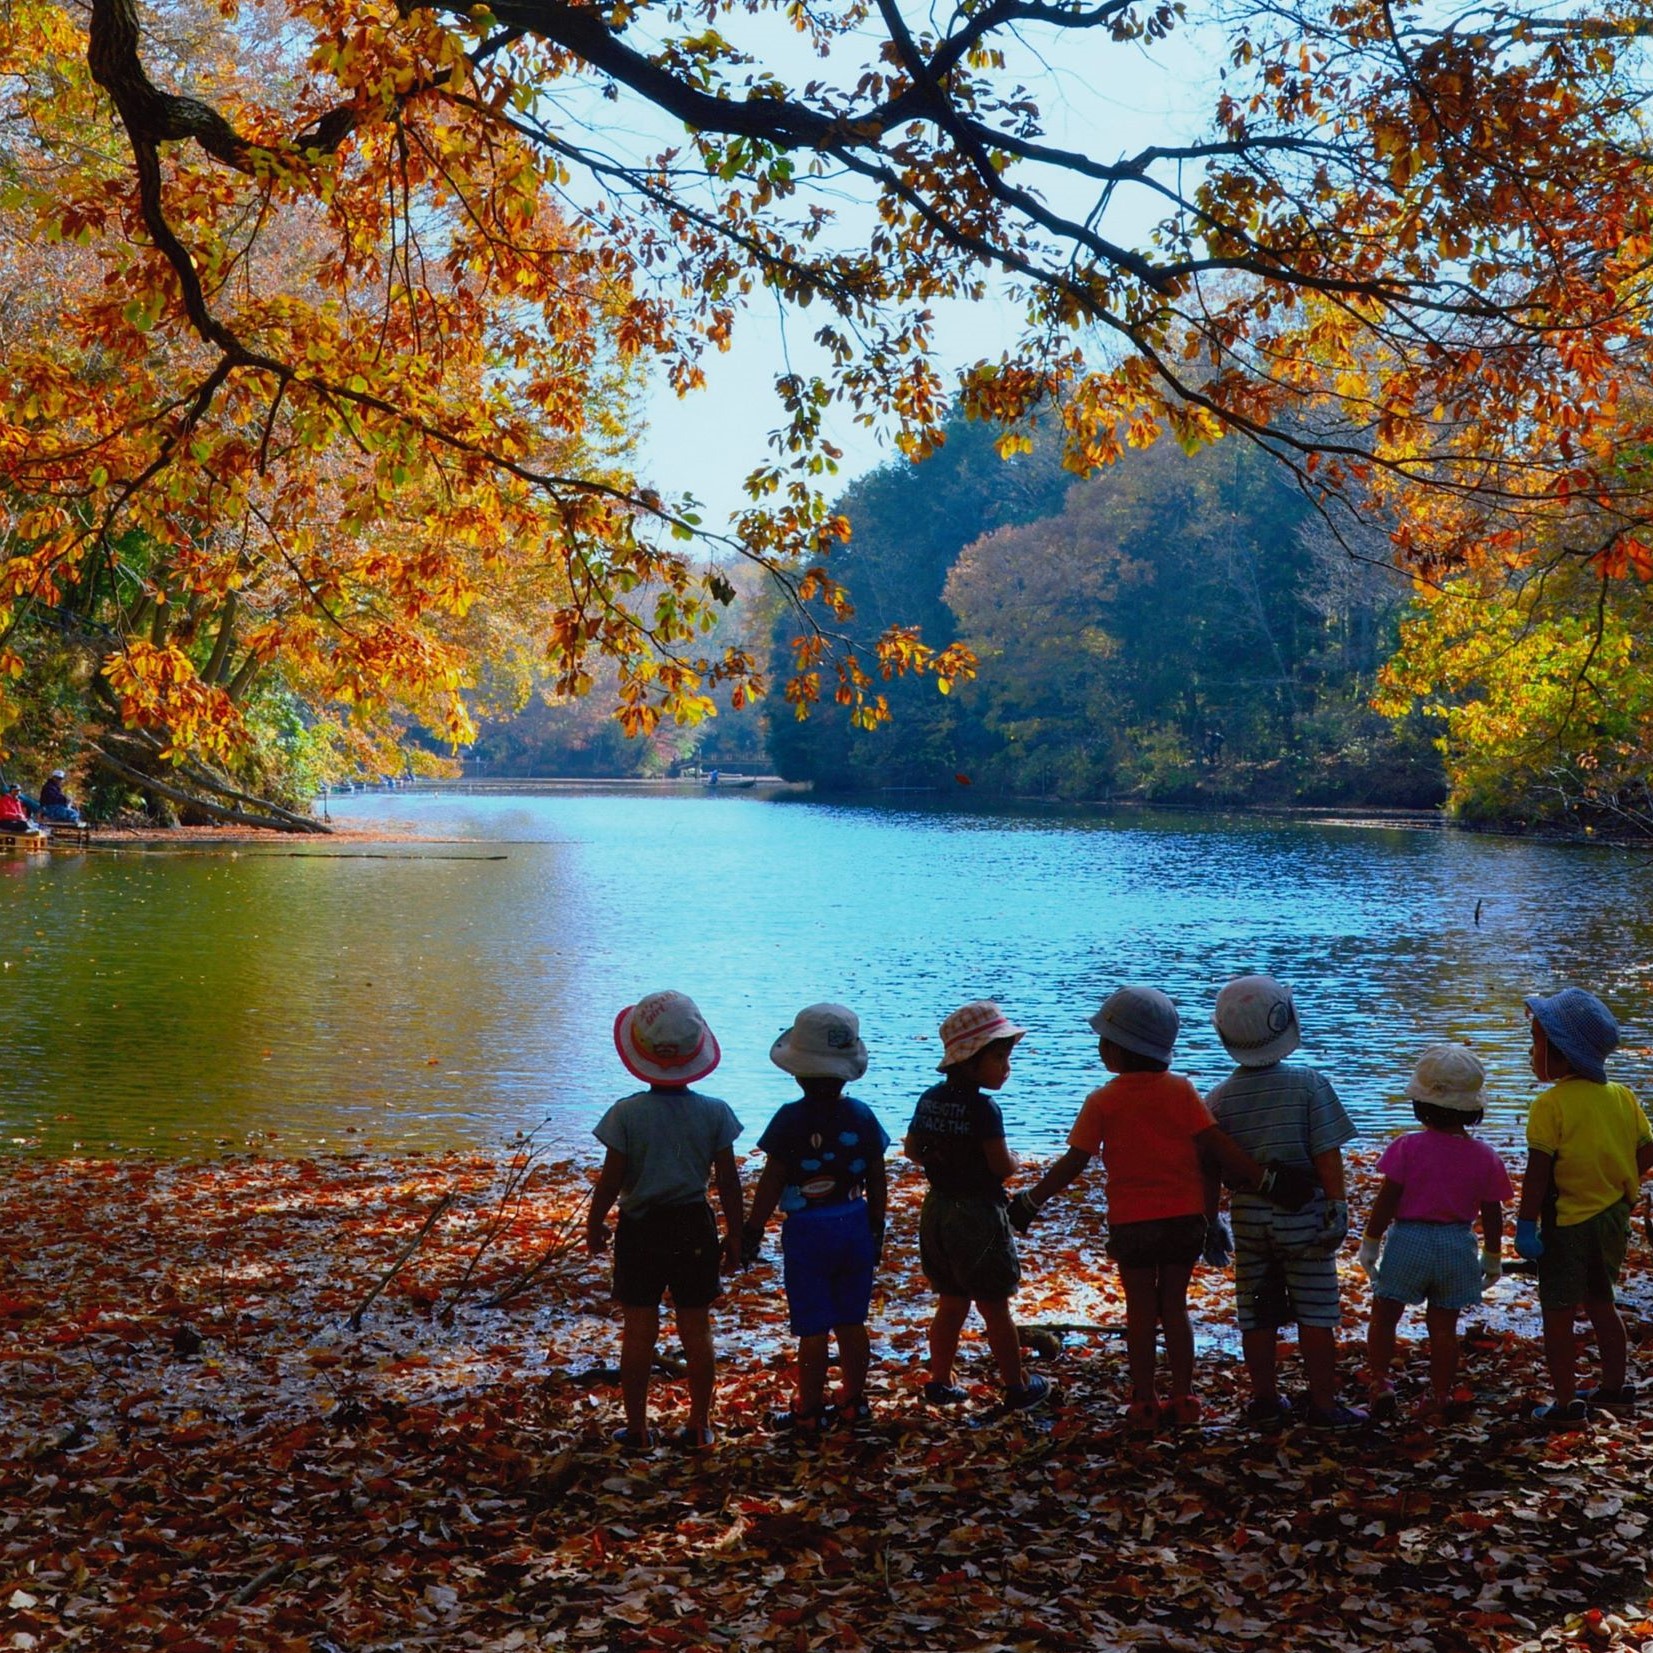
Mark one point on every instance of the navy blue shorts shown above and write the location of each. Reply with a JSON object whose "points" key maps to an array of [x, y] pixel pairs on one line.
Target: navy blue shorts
{"points": [[829, 1261]]}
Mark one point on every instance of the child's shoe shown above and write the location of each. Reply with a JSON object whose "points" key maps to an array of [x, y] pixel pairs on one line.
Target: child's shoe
{"points": [[1142, 1417], [850, 1413], [1621, 1400], [800, 1425], [1179, 1412], [634, 1442], [938, 1393], [1023, 1396], [1335, 1417], [1381, 1404], [1269, 1412], [1574, 1415]]}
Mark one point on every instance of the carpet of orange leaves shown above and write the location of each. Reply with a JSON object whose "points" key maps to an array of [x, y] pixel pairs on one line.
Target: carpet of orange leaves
{"points": [[200, 1453]]}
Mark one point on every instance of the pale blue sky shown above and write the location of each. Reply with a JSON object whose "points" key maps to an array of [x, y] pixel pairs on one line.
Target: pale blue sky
{"points": [[1106, 99]]}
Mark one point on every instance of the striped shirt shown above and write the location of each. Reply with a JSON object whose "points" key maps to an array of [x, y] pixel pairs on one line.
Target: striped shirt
{"points": [[1281, 1115]]}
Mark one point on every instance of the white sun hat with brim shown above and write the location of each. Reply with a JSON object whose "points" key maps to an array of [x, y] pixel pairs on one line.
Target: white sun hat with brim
{"points": [[1451, 1077], [972, 1027], [664, 1039], [1139, 1019], [823, 1042], [58, 775], [1256, 1021]]}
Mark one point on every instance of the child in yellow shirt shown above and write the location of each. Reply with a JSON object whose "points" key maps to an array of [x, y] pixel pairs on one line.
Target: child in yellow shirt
{"points": [[1588, 1147]]}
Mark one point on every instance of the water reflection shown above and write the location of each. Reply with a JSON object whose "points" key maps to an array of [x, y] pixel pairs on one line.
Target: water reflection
{"points": [[431, 994]]}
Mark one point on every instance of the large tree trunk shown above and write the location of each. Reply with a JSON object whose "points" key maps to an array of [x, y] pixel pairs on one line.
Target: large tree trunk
{"points": [[206, 794]]}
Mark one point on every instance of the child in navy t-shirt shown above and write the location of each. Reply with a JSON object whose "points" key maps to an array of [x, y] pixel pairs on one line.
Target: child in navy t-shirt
{"points": [[826, 1174]]}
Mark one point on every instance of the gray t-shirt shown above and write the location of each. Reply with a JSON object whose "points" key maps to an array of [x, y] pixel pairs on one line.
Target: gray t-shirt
{"points": [[670, 1139]]}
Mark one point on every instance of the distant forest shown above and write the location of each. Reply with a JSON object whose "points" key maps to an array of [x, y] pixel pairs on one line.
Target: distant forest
{"points": [[1176, 629]]}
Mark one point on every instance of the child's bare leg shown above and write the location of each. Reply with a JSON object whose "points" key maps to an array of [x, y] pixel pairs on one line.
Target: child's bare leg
{"points": [[1141, 1327], [640, 1329], [1178, 1328], [1319, 1346], [1558, 1354], [945, 1325], [1610, 1340], [694, 1332], [812, 1371], [854, 1356], [1380, 1340], [1002, 1340], [1262, 1361], [1443, 1352]]}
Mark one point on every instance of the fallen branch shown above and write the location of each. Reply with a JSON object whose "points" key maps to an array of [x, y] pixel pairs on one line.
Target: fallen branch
{"points": [[355, 1320], [562, 1242]]}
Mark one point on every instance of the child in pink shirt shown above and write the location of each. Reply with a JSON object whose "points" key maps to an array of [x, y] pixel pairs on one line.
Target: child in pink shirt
{"points": [[1436, 1182]]}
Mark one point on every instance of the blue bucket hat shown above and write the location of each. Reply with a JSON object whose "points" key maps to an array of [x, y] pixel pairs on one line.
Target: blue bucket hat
{"points": [[1581, 1027]]}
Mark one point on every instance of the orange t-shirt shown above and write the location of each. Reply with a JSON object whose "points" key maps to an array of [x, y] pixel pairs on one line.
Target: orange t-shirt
{"points": [[1145, 1125]]}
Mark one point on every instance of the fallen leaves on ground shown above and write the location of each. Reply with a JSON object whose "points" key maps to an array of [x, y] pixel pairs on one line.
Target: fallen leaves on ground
{"points": [[201, 1454]]}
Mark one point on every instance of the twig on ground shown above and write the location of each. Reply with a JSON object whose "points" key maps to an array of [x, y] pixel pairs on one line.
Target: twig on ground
{"points": [[355, 1320]]}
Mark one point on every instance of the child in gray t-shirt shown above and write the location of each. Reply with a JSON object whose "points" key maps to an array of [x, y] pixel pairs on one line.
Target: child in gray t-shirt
{"points": [[1284, 1261], [664, 1144]]}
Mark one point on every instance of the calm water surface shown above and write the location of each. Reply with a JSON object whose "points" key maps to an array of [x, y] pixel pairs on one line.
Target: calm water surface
{"points": [[453, 993]]}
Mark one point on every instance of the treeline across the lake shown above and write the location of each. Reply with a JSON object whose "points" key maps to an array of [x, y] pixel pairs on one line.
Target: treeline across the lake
{"points": [[1178, 629]]}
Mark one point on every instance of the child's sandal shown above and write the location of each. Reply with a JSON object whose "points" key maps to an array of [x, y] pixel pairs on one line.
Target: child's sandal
{"points": [[1179, 1412], [851, 1412], [1574, 1415], [1382, 1405], [1142, 1417], [799, 1424], [633, 1443]]}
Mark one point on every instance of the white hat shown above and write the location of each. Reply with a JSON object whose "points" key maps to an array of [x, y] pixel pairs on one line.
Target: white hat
{"points": [[57, 774], [1256, 1021], [823, 1042], [1451, 1077], [971, 1027], [1140, 1019], [663, 1038]]}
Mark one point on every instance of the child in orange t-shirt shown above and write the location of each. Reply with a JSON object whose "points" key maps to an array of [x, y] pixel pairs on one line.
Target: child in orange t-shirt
{"points": [[1157, 1142]]}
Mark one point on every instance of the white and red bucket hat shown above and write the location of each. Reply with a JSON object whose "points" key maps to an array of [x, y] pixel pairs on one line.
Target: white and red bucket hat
{"points": [[664, 1039], [971, 1027]]}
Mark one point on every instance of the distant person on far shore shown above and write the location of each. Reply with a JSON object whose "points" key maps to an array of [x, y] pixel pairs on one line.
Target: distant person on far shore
{"points": [[55, 807], [664, 1145], [826, 1173], [966, 1246], [1588, 1147], [1436, 1183], [14, 816]]}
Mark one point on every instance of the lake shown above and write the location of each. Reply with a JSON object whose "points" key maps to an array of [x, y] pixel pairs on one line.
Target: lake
{"points": [[316, 996]]}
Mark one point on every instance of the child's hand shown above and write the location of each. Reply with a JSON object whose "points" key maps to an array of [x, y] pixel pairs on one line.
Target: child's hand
{"points": [[751, 1245], [1290, 1187], [596, 1238], [1334, 1229], [1527, 1240], [1370, 1247], [1022, 1210], [1219, 1244], [1492, 1266]]}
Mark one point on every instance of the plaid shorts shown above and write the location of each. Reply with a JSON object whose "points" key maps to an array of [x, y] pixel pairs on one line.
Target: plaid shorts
{"points": [[1434, 1263], [1581, 1262]]}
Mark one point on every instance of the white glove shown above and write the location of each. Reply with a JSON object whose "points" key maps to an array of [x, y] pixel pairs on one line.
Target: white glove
{"points": [[1368, 1256], [1492, 1267]]}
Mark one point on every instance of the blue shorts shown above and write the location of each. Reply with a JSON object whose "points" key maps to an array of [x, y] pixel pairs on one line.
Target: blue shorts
{"points": [[829, 1260], [1434, 1263]]}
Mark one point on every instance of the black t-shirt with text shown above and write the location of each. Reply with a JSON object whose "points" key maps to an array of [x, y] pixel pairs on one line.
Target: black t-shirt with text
{"points": [[950, 1124]]}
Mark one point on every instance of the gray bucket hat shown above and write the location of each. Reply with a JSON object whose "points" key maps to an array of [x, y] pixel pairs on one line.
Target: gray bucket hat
{"points": [[1581, 1027], [823, 1042], [1140, 1019], [1450, 1077]]}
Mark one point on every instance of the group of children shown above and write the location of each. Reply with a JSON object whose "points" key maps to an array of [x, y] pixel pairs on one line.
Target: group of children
{"points": [[1272, 1133]]}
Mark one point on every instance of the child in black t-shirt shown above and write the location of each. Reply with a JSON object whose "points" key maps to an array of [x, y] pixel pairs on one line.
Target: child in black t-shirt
{"points": [[966, 1247], [826, 1173]]}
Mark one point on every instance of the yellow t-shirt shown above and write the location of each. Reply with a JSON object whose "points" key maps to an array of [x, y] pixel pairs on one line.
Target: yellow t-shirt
{"points": [[1593, 1131]]}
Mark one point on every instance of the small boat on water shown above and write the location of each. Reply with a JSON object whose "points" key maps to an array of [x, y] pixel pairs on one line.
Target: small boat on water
{"points": [[24, 843], [731, 783]]}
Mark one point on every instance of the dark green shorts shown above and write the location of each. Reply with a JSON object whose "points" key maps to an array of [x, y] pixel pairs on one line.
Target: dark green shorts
{"points": [[966, 1247], [1581, 1262]]}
